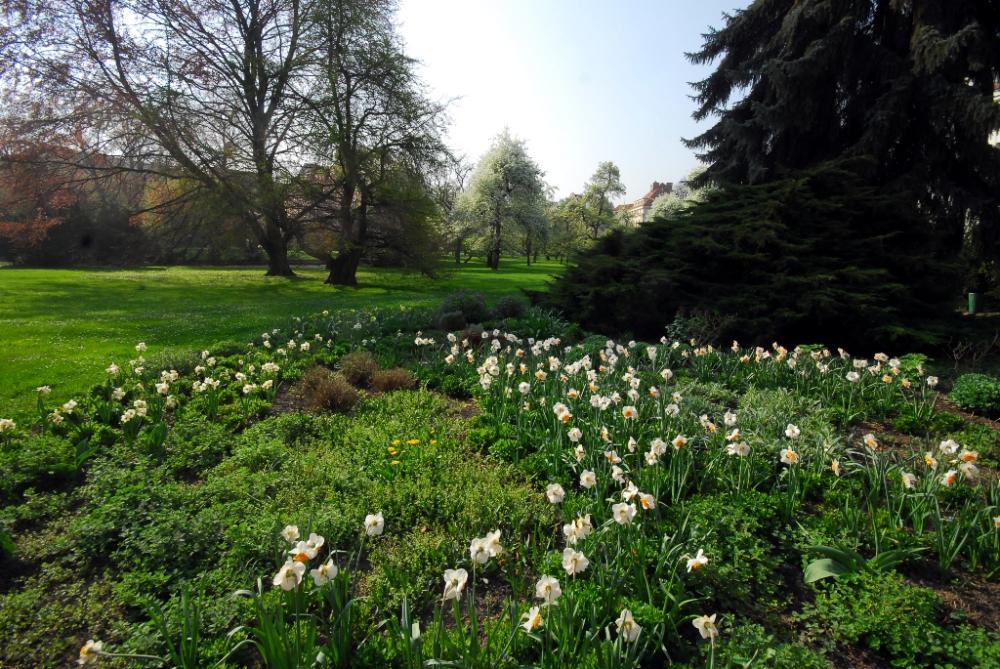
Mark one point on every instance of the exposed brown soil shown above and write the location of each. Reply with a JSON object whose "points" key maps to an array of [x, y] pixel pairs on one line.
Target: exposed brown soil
{"points": [[978, 599], [944, 404], [467, 409], [288, 400], [857, 657]]}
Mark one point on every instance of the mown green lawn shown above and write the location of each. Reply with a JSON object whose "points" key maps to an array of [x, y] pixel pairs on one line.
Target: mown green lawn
{"points": [[62, 327]]}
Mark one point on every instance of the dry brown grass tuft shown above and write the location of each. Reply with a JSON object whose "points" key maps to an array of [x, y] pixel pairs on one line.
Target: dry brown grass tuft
{"points": [[358, 367], [394, 379], [322, 390]]}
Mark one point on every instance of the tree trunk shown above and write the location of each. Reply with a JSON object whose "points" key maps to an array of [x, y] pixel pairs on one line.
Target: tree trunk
{"points": [[493, 255], [344, 268], [276, 248], [458, 251], [277, 263]]}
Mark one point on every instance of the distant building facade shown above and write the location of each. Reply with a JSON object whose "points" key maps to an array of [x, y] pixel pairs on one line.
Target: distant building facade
{"points": [[638, 212]]}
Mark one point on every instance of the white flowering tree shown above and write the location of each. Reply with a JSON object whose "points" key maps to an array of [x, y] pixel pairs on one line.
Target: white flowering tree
{"points": [[506, 188]]}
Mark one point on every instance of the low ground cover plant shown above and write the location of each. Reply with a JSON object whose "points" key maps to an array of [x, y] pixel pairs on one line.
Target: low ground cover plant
{"points": [[977, 392], [599, 504]]}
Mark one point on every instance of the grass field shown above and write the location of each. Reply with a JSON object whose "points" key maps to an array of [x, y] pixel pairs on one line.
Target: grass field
{"points": [[62, 327]]}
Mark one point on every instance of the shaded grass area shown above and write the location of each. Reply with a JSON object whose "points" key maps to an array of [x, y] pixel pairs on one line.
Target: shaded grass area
{"points": [[62, 327]]}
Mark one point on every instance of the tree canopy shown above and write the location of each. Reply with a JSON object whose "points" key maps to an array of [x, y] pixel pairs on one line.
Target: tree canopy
{"points": [[909, 83], [822, 255], [248, 102], [505, 188]]}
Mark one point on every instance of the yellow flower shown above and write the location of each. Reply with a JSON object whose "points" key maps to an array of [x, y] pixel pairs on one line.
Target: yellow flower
{"points": [[394, 462], [412, 442]]}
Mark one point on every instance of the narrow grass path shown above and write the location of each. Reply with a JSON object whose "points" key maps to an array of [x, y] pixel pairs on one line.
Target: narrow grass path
{"points": [[62, 327]]}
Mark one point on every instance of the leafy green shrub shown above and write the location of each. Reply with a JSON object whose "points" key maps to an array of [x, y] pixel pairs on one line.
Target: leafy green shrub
{"points": [[195, 444], [977, 392], [540, 323], [742, 525], [815, 256], [322, 390], [705, 326], [900, 621], [470, 304], [7, 546], [940, 422], [749, 644], [358, 368], [451, 321], [42, 462], [511, 306], [388, 380]]}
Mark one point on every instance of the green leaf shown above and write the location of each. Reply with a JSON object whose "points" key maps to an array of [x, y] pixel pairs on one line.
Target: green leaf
{"points": [[852, 560], [824, 568]]}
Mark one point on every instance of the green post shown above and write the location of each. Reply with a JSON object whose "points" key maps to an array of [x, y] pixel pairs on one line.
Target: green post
{"points": [[973, 297]]}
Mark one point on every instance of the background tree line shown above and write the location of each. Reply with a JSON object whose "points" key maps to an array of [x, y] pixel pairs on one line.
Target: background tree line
{"points": [[287, 118], [212, 131]]}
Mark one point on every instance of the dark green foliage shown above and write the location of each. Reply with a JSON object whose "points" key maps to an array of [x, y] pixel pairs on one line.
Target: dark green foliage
{"points": [[510, 306], [939, 422], [977, 392], [749, 644], [44, 462], [195, 444], [470, 304], [910, 84], [452, 321], [7, 546], [739, 526], [899, 621], [817, 256], [541, 323]]}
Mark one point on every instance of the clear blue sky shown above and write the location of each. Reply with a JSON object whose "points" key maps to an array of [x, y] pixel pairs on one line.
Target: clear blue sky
{"points": [[581, 81]]}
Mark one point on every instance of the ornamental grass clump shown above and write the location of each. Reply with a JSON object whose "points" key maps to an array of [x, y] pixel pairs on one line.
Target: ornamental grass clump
{"points": [[358, 368], [388, 380], [324, 390]]}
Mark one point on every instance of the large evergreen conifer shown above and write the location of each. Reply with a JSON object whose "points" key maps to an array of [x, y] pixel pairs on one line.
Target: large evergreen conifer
{"points": [[908, 82]]}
